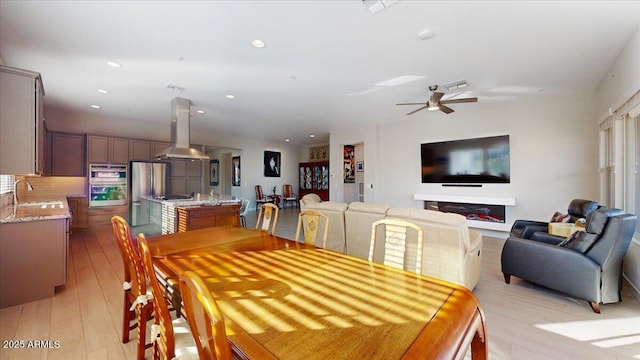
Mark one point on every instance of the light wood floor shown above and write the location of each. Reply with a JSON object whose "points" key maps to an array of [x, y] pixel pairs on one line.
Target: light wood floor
{"points": [[524, 321]]}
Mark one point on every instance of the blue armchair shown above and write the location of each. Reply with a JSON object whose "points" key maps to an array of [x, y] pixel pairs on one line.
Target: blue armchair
{"points": [[589, 267]]}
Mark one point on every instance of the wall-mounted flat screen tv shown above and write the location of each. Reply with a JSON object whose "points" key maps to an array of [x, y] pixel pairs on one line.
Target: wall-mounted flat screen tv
{"points": [[468, 161]]}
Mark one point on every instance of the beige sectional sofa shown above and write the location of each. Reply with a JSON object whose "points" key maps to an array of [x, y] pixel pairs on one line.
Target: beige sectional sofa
{"points": [[451, 251]]}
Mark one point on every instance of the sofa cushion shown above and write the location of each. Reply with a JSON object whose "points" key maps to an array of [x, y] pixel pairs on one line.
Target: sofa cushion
{"points": [[368, 207], [312, 197], [428, 215], [328, 205], [335, 212], [358, 220]]}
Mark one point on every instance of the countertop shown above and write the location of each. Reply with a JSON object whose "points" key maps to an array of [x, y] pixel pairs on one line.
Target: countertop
{"points": [[203, 199], [51, 209]]}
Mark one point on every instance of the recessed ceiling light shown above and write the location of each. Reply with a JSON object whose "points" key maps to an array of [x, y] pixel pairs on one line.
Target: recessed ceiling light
{"points": [[103, 91], [113, 64], [258, 44], [312, 136], [287, 140], [229, 96], [95, 106], [200, 111], [425, 34]]}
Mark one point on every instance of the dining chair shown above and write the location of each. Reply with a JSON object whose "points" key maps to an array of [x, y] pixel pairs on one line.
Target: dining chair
{"points": [[261, 198], [268, 218], [288, 195], [204, 317], [395, 248], [171, 337], [310, 222], [244, 209], [136, 294]]}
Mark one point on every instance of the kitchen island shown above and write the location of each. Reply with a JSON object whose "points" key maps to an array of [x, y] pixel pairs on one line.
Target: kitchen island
{"points": [[222, 206], [34, 246]]}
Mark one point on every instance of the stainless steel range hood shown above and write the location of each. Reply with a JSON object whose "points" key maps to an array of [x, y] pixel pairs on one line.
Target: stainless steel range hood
{"points": [[180, 128]]}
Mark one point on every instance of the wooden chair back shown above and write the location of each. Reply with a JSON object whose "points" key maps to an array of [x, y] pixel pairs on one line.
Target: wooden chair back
{"points": [[287, 191], [395, 247], [268, 218], [259, 193], [204, 317], [288, 195], [135, 285], [310, 222], [164, 344]]}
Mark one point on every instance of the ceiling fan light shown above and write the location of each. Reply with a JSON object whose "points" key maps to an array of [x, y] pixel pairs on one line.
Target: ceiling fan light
{"points": [[433, 107]]}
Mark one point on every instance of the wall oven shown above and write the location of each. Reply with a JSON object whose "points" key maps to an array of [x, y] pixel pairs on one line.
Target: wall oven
{"points": [[107, 185]]}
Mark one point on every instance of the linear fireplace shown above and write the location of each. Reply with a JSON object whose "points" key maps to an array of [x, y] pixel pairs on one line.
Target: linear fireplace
{"points": [[477, 212]]}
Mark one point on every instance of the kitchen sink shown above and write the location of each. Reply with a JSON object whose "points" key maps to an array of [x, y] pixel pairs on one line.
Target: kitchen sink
{"points": [[42, 205]]}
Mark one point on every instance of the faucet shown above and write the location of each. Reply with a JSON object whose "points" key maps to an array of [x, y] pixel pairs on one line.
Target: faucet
{"points": [[15, 189]]}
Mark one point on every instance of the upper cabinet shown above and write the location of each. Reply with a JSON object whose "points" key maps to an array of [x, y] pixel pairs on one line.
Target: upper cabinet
{"points": [[21, 122], [67, 154], [157, 147], [139, 149], [107, 150]]}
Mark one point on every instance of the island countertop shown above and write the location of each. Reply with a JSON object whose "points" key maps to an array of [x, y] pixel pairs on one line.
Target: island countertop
{"points": [[51, 209], [203, 199]]}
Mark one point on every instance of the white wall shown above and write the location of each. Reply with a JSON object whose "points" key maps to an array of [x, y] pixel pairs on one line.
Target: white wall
{"points": [[618, 85], [553, 142]]}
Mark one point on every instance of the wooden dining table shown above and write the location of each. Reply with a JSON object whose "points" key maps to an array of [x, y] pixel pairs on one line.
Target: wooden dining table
{"points": [[282, 299]]}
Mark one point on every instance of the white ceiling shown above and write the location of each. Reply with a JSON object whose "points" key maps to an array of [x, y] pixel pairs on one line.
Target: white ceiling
{"points": [[322, 61]]}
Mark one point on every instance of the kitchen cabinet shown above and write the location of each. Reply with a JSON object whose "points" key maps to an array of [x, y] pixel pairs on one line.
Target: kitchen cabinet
{"points": [[67, 154], [139, 149], [158, 146], [107, 150], [155, 212], [200, 217], [79, 209], [33, 259], [314, 178], [21, 122]]}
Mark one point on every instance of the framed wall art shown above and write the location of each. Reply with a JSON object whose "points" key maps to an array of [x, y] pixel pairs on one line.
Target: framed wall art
{"points": [[349, 164], [214, 172], [319, 153], [235, 161], [271, 164]]}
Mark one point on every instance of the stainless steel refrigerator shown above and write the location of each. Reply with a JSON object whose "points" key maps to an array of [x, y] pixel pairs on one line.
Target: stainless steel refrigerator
{"points": [[148, 180]]}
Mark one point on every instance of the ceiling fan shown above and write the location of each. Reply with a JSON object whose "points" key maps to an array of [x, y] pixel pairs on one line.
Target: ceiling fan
{"points": [[435, 102]]}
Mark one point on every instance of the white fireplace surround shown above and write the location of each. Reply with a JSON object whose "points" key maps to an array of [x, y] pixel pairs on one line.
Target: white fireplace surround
{"points": [[506, 201]]}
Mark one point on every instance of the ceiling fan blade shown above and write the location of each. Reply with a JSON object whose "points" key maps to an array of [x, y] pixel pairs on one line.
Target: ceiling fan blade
{"points": [[445, 109], [412, 104], [454, 101], [436, 97], [418, 109]]}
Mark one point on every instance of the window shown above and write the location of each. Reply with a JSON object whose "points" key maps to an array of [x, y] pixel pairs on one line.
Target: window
{"points": [[632, 167], [620, 158], [6, 183]]}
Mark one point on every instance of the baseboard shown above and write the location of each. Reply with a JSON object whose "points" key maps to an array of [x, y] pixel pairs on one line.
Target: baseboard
{"points": [[636, 291]]}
